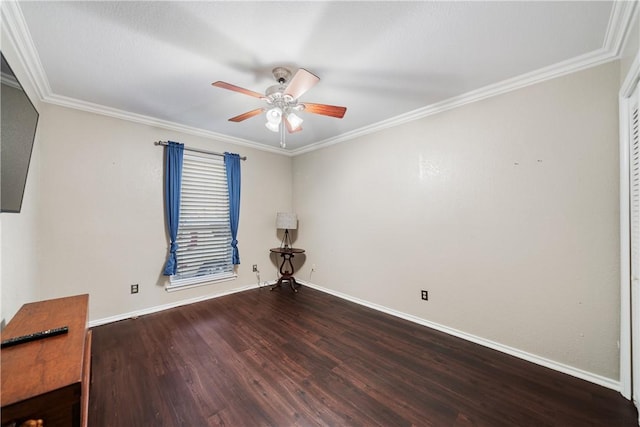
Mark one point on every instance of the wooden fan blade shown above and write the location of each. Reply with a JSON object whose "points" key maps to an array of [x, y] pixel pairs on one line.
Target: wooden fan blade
{"points": [[300, 83], [247, 115], [235, 88], [325, 110], [290, 128]]}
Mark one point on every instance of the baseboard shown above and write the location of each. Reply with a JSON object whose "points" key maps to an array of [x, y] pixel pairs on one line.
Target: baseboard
{"points": [[157, 308], [560, 367], [538, 360]]}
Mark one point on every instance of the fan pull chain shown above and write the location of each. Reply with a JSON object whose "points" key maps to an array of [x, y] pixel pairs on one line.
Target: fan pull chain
{"points": [[282, 143]]}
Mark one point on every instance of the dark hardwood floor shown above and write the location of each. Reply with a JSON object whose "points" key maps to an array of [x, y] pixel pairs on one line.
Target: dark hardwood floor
{"points": [[262, 358]]}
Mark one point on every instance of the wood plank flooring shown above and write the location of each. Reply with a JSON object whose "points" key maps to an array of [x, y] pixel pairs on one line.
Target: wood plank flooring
{"points": [[261, 358]]}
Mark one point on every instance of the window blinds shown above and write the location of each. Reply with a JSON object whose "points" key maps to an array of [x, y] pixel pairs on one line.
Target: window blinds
{"points": [[204, 236]]}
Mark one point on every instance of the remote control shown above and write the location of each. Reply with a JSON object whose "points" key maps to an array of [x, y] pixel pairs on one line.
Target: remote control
{"points": [[34, 336]]}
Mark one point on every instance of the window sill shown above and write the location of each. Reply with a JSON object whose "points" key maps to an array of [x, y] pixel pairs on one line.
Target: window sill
{"points": [[196, 282]]}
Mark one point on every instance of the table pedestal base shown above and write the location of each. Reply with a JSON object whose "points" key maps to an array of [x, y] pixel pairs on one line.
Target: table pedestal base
{"points": [[292, 282], [286, 274]]}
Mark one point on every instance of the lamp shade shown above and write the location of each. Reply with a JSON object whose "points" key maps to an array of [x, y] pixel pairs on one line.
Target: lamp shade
{"points": [[286, 221], [273, 127], [274, 115], [294, 121]]}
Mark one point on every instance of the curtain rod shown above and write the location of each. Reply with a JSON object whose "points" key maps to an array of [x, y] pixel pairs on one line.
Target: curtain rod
{"points": [[165, 143]]}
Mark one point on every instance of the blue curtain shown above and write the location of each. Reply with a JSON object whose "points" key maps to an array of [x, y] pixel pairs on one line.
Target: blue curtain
{"points": [[232, 164], [173, 180]]}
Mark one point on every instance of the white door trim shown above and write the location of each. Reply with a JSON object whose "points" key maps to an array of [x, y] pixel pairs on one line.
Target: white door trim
{"points": [[626, 91]]}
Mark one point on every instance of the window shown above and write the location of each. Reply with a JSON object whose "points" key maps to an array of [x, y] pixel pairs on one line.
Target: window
{"points": [[204, 237]]}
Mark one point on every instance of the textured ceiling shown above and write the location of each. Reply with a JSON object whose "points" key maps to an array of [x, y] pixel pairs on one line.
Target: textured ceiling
{"points": [[382, 60]]}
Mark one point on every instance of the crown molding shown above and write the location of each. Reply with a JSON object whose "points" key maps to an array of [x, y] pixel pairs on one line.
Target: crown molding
{"points": [[573, 65], [19, 36], [622, 14], [90, 107], [13, 21]]}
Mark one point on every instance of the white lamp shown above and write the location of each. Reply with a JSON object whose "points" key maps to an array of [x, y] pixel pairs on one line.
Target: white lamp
{"points": [[286, 221]]}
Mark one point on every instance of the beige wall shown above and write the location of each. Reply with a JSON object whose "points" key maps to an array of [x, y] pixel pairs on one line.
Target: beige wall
{"points": [[101, 217], [505, 210], [19, 237], [19, 273]]}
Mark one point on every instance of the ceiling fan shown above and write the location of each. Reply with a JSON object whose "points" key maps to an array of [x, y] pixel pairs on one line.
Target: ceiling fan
{"points": [[282, 101]]}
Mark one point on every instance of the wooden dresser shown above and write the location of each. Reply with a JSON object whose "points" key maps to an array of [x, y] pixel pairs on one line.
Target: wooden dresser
{"points": [[47, 379]]}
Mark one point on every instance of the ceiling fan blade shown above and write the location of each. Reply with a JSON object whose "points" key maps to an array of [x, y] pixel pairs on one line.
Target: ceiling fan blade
{"points": [[229, 86], [247, 115], [325, 110], [300, 83], [290, 128]]}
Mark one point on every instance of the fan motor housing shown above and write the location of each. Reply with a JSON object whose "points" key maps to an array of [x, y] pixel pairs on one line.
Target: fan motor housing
{"points": [[274, 91], [281, 74]]}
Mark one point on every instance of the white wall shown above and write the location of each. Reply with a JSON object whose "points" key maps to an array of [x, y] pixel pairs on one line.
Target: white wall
{"points": [[505, 210], [101, 214]]}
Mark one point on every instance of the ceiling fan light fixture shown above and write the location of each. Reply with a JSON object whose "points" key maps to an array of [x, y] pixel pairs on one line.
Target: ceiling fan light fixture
{"points": [[274, 115], [282, 101], [273, 127], [294, 121]]}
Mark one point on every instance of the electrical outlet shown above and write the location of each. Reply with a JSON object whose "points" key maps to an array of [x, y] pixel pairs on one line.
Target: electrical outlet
{"points": [[255, 267], [134, 289], [425, 295]]}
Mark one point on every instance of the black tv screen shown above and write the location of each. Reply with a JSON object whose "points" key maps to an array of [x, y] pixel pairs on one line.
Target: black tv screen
{"points": [[17, 132]]}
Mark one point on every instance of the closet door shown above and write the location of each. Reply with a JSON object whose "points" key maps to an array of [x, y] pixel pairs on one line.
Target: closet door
{"points": [[634, 206]]}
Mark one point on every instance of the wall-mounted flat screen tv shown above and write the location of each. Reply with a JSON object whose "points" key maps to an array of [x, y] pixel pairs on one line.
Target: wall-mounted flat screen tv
{"points": [[17, 132]]}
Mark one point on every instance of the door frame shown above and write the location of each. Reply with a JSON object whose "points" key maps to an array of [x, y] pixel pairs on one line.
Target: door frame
{"points": [[626, 374]]}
